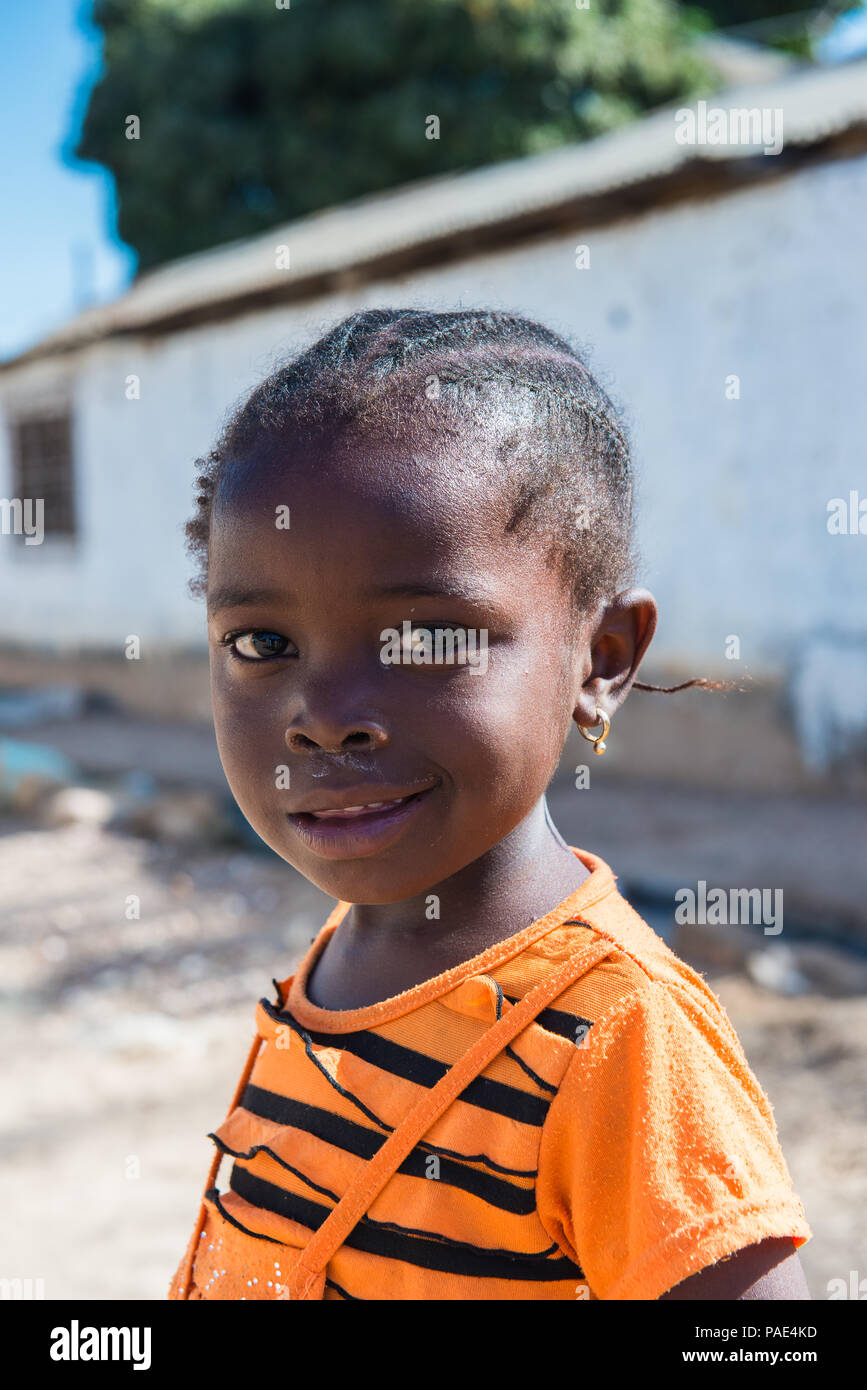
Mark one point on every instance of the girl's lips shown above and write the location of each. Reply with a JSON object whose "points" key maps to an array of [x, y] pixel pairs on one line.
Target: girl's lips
{"points": [[355, 832]]}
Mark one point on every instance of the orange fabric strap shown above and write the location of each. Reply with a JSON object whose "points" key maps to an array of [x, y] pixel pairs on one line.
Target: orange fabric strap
{"points": [[307, 1279]]}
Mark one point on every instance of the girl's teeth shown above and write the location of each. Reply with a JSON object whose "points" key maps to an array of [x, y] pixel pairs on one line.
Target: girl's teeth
{"points": [[349, 811]]}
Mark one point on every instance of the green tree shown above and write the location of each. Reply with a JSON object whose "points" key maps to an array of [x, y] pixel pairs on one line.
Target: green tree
{"points": [[252, 114]]}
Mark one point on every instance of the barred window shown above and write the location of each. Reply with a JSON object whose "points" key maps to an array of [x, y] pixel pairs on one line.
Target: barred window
{"points": [[43, 467]]}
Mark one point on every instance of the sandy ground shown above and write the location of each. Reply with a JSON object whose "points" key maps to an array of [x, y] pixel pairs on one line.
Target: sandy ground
{"points": [[127, 1036]]}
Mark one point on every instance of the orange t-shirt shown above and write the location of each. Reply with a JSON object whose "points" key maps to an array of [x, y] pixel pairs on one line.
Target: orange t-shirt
{"points": [[620, 1144]]}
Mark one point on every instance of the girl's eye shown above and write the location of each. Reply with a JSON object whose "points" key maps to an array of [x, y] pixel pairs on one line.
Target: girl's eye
{"points": [[427, 635], [258, 645]]}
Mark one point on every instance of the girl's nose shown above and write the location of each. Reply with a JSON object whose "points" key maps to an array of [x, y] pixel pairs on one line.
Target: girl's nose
{"points": [[320, 736]]}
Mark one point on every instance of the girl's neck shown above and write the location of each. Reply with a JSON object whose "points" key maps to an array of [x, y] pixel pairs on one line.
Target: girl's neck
{"points": [[380, 950]]}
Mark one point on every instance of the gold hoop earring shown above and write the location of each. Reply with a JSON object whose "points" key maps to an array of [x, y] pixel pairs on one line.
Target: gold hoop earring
{"points": [[599, 740]]}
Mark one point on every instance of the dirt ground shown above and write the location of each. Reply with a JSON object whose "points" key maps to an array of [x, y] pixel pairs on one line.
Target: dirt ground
{"points": [[127, 1035]]}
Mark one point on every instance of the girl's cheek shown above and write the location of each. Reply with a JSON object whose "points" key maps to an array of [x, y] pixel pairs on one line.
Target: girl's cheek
{"points": [[249, 752]]}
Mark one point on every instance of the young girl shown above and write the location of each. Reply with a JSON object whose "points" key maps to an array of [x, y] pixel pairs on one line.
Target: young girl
{"points": [[488, 1077]]}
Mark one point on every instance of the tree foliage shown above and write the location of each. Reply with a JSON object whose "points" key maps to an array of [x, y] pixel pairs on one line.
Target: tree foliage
{"points": [[251, 114]]}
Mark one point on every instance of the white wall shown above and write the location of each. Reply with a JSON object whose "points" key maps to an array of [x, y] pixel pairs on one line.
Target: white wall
{"points": [[768, 283]]}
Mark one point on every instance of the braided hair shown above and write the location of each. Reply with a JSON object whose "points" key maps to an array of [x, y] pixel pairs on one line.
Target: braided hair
{"points": [[518, 398]]}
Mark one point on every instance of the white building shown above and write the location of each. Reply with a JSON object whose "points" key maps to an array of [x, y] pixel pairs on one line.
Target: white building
{"points": [[725, 305]]}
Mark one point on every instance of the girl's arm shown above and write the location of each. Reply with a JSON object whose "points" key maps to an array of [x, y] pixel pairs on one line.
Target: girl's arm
{"points": [[769, 1270]]}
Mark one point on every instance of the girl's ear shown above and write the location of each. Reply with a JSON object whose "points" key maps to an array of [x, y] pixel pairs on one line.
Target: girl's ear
{"points": [[617, 646]]}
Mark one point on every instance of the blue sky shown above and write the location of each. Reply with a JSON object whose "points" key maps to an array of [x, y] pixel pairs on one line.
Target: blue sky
{"points": [[58, 246]]}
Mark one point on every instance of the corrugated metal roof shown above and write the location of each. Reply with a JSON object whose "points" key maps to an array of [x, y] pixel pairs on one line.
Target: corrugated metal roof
{"points": [[817, 104]]}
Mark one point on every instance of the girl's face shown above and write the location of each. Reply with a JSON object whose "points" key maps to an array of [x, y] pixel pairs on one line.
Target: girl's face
{"points": [[309, 718]]}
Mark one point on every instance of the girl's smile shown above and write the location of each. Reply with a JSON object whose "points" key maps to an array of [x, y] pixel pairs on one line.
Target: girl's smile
{"points": [[373, 820]]}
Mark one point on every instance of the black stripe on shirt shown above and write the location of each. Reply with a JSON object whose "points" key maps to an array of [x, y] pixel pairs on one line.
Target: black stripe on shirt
{"points": [[364, 1143], [425, 1252], [214, 1195], [422, 1070], [344, 1294], [558, 1020]]}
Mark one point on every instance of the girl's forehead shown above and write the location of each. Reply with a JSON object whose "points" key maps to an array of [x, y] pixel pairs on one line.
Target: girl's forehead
{"points": [[372, 488], [383, 524]]}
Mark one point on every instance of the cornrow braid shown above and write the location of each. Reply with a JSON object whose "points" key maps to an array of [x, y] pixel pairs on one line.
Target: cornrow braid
{"points": [[521, 395]]}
